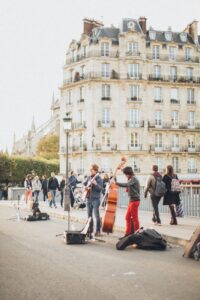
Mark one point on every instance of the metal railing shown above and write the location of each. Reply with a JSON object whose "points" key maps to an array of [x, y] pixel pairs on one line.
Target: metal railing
{"points": [[190, 197]]}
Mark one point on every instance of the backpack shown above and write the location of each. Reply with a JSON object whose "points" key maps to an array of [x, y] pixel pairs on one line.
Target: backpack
{"points": [[175, 186], [160, 188], [148, 239]]}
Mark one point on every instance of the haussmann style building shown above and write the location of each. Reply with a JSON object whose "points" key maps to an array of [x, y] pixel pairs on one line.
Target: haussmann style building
{"points": [[134, 92]]}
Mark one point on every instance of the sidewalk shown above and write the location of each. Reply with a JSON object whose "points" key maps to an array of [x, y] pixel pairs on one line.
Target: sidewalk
{"points": [[179, 234]]}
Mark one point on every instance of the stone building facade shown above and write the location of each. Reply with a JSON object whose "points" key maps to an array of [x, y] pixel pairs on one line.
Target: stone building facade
{"points": [[27, 145], [134, 92]]}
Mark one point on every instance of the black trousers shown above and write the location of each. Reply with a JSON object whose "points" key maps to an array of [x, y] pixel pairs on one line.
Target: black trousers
{"points": [[173, 214], [72, 198], [155, 202]]}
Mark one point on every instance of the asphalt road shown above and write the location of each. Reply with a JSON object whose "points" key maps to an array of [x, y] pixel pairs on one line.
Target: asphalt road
{"points": [[35, 264]]}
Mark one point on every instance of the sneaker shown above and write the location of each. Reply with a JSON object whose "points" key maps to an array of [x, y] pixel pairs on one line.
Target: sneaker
{"points": [[55, 206], [97, 234]]}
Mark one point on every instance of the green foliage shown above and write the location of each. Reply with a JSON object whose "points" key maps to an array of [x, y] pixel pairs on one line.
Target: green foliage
{"points": [[15, 168], [48, 147]]}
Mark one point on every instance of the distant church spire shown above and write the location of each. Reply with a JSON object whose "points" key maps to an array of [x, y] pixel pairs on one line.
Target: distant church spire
{"points": [[33, 125]]}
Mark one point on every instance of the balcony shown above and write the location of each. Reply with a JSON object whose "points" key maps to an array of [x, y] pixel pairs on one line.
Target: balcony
{"points": [[174, 101], [177, 58], [155, 78], [79, 148], [103, 124], [78, 125], [136, 124], [191, 102], [91, 54], [134, 147], [134, 99], [133, 53], [106, 98], [158, 100], [134, 76], [80, 100], [191, 170]]}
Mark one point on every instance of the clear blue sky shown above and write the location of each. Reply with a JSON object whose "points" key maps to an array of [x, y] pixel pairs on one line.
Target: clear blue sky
{"points": [[34, 35]]}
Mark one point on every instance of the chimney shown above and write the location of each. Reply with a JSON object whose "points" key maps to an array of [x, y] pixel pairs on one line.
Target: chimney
{"points": [[193, 30], [143, 25], [89, 24]]}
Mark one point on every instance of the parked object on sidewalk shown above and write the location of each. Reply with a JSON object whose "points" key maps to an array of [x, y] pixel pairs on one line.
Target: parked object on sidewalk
{"points": [[179, 210], [72, 237], [147, 239], [37, 214], [192, 249]]}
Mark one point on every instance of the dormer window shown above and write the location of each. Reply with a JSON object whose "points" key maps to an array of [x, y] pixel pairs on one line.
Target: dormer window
{"points": [[152, 35], [183, 36], [131, 25], [168, 36]]}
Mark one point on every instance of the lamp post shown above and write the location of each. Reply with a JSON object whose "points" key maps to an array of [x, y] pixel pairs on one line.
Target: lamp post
{"points": [[67, 124]]}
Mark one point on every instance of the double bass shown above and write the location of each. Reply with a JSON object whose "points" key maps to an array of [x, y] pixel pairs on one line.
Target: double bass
{"points": [[111, 205]]}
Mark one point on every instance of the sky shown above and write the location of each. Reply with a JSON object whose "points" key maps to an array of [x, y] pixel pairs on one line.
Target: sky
{"points": [[34, 37]]}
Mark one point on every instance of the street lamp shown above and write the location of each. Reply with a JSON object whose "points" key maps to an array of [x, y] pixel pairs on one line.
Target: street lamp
{"points": [[67, 124]]}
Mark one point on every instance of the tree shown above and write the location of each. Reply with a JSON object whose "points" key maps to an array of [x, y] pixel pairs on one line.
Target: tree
{"points": [[48, 147]]}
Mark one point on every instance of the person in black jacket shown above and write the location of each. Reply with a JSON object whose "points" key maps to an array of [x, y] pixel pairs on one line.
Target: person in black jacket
{"points": [[61, 188], [171, 198], [73, 181], [44, 187], [53, 185]]}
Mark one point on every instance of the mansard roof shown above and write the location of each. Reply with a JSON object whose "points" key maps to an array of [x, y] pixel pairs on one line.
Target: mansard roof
{"points": [[109, 32], [160, 36], [127, 21]]}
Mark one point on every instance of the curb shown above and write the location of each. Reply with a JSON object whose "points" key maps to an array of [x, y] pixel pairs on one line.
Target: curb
{"points": [[118, 230]]}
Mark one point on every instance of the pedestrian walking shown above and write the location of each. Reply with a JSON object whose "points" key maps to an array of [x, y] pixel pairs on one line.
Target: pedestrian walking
{"points": [[133, 188], [61, 189], [44, 187], [28, 186], [36, 187], [152, 182], [53, 186], [171, 196], [73, 181]]}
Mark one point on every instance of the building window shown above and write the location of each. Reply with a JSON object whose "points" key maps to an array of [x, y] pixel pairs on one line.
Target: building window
{"points": [[133, 162], [81, 140], [152, 35], [134, 117], [104, 49], [183, 36], [191, 118], [134, 91], [135, 140], [159, 162], [191, 141], [82, 72], [158, 117], [175, 118], [73, 55], [168, 36], [80, 116], [157, 94], [190, 96], [158, 140], [175, 141], [133, 71], [173, 73], [192, 165], [174, 95], [133, 48], [188, 53], [84, 51], [105, 70], [69, 96], [106, 116], [175, 164], [156, 52], [106, 139], [105, 91], [172, 53], [156, 71], [189, 74], [81, 89]]}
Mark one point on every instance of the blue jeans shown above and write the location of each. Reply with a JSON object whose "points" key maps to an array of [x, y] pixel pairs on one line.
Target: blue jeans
{"points": [[94, 204], [36, 195], [53, 198]]}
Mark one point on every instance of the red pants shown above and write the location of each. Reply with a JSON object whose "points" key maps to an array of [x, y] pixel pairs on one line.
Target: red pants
{"points": [[132, 221]]}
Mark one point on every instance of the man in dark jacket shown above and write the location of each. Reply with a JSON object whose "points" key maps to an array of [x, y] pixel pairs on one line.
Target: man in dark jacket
{"points": [[95, 183], [151, 186], [53, 185], [133, 189], [44, 187], [61, 188], [72, 184]]}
